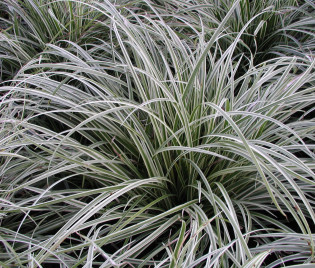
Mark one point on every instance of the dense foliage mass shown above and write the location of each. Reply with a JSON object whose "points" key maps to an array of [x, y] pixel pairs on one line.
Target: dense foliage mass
{"points": [[154, 133]]}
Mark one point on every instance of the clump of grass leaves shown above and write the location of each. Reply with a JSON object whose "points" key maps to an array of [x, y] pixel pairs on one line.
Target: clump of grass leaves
{"points": [[157, 133]]}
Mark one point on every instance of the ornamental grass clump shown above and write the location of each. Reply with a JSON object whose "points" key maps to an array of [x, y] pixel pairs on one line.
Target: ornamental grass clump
{"points": [[157, 134]]}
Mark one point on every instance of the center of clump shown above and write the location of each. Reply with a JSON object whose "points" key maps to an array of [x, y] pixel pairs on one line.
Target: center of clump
{"points": [[182, 184]]}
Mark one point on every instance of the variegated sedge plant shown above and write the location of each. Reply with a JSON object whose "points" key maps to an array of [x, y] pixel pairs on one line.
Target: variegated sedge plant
{"points": [[157, 133]]}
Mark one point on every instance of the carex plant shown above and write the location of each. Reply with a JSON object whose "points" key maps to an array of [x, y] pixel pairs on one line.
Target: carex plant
{"points": [[28, 26], [153, 134]]}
